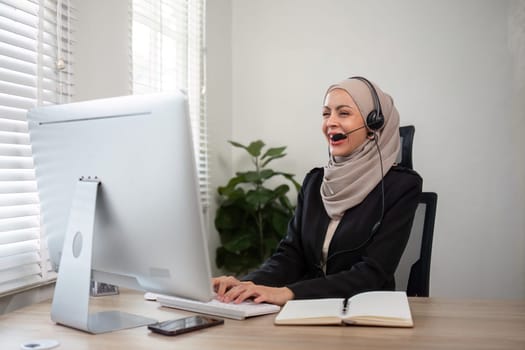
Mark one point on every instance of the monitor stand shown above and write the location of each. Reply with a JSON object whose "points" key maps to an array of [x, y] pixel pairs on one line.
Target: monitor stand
{"points": [[70, 305]]}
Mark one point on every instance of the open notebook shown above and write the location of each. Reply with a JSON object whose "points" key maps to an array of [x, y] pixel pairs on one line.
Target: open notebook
{"points": [[378, 308], [215, 307]]}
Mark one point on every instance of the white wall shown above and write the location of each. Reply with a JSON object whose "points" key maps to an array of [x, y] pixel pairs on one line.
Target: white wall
{"points": [[219, 104], [450, 70], [102, 51], [454, 68]]}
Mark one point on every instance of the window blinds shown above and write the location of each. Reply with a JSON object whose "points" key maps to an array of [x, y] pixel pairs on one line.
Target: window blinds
{"points": [[167, 40], [35, 69]]}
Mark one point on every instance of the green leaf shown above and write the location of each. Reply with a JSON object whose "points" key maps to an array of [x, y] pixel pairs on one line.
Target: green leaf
{"points": [[272, 158], [274, 152], [260, 197], [270, 244], [285, 202], [252, 176], [236, 197], [228, 218], [238, 145], [279, 223], [265, 174], [292, 180], [239, 244], [255, 148], [230, 187], [220, 257], [239, 264], [281, 190], [255, 177]]}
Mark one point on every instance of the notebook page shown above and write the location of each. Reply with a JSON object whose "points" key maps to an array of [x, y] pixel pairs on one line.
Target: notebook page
{"points": [[309, 309], [380, 304]]}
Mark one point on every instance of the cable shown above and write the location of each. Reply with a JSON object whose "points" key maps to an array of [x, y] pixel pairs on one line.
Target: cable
{"points": [[376, 225]]}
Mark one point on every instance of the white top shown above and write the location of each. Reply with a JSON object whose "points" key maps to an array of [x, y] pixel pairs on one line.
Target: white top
{"points": [[332, 226]]}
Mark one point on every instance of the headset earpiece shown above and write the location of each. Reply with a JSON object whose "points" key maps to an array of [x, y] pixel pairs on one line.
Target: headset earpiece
{"points": [[375, 119]]}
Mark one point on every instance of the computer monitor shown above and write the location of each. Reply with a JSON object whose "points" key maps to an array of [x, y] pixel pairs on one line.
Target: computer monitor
{"points": [[119, 195]]}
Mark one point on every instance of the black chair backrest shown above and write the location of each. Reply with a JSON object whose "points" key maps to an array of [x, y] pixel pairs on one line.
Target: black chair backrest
{"points": [[419, 278], [413, 272], [404, 158]]}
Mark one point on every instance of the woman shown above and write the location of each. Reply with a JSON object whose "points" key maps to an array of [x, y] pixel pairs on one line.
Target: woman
{"points": [[350, 227]]}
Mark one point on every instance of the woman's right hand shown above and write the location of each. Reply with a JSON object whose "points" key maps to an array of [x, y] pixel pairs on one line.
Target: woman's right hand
{"points": [[230, 289], [224, 283]]}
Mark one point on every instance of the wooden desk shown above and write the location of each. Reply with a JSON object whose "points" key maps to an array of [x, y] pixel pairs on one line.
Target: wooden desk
{"points": [[439, 324]]}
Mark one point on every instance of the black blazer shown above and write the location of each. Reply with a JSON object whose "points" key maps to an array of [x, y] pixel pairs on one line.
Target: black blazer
{"points": [[350, 268]]}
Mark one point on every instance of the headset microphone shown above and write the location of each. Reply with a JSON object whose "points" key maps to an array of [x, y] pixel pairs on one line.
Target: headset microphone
{"points": [[342, 136]]}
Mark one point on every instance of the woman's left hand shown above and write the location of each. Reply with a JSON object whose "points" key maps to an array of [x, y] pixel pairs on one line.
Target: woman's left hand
{"points": [[260, 294]]}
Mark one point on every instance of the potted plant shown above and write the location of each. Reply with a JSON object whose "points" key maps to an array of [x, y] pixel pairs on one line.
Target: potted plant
{"points": [[252, 218]]}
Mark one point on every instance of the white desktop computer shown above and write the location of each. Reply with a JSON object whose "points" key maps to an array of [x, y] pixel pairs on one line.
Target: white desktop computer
{"points": [[120, 203]]}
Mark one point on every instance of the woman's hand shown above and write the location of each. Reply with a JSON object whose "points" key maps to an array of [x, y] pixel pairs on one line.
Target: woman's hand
{"points": [[230, 289], [222, 284]]}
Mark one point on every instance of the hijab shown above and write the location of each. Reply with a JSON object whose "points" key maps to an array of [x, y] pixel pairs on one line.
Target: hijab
{"points": [[348, 180]]}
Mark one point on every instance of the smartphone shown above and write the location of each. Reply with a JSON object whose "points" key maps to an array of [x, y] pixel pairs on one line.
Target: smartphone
{"points": [[184, 325]]}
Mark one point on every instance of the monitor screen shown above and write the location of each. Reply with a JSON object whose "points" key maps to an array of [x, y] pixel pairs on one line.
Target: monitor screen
{"points": [[148, 230]]}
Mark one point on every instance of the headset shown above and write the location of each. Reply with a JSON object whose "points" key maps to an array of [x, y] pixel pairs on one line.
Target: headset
{"points": [[375, 119]]}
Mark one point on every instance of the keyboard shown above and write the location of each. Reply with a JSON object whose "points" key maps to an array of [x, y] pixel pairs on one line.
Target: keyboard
{"points": [[215, 307]]}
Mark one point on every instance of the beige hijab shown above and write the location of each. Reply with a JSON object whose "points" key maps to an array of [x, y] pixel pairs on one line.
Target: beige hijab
{"points": [[348, 180]]}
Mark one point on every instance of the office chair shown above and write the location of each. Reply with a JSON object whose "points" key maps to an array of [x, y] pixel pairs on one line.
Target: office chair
{"points": [[413, 272], [404, 157]]}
